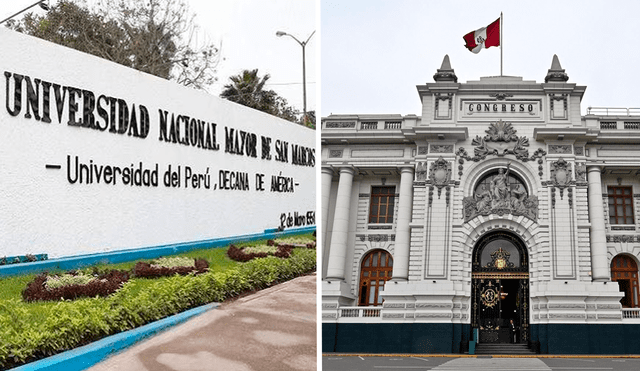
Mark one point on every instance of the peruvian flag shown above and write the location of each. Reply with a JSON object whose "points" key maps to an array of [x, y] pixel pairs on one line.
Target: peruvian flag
{"points": [[483, 37]]}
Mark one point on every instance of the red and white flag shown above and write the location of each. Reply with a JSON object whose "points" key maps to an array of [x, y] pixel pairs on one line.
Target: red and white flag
{"points": [[483, 37]]}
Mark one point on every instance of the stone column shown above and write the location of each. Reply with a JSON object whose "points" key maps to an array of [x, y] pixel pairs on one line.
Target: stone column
{"points": [[599, 261], [340, 232], [327, 176], [403, 232]]}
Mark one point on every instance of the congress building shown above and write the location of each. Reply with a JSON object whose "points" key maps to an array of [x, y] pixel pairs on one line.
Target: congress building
{"points": [[499, 215]]}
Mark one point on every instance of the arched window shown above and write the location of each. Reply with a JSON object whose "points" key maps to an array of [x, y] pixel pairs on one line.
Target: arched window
{"points": [[624, 270], [376, 269]]}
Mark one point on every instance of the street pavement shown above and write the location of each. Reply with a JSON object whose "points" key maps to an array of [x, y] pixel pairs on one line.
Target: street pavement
{"points": [[337, 362], [273, 329]]}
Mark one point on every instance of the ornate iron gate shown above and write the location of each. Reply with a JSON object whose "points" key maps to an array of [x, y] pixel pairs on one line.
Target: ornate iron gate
{"points": [[500, 288]]}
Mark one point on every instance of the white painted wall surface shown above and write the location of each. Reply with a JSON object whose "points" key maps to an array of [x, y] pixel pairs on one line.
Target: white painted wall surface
{"points": [[42, 212]]}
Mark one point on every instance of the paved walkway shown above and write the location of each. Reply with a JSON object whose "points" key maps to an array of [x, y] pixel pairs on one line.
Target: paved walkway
{"points": [[441, 362], [273, 329], [493, 364]]}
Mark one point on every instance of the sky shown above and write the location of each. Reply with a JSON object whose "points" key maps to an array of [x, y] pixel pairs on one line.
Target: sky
{"points": [[375, 52], [246, 31]]}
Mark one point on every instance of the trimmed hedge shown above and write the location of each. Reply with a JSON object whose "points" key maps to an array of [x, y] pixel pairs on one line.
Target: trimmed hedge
{"points": [[70, 324]]}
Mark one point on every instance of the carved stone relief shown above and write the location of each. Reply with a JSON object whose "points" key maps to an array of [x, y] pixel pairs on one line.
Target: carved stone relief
{"points": [[561, 175], [441, 148], [501, 140], [501, 96], [500, 199], [335, 153], [421, 172], [440, 174], [560, 149], [581, 172], [623, 238], [376, 237]]}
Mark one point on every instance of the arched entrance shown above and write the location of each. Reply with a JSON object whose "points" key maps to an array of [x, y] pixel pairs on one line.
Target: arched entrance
{"points": [[376, 269], [624, 270], [500, 284]]}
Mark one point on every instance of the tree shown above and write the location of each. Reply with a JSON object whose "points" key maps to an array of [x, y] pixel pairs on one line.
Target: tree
{"points": [[155, 36], [310, 120], [247, 88]]}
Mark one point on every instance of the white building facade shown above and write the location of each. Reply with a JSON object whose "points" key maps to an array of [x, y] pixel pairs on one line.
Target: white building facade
{"points": [[500, 202]]}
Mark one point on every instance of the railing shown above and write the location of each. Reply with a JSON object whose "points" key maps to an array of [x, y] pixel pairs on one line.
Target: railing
{"points": [[626, 125], [359, 312], [631, 313], [613, 111], [608, 125], [369, 125], [393, 124], [363, 125]]}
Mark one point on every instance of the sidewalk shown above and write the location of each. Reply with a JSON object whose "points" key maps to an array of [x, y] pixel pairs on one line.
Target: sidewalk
{"points": [[273, 329]]}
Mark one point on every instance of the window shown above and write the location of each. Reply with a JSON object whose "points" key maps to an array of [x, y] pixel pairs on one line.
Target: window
{"points": [[624, 270], [382, 200], [376, 269], [620, 205]]}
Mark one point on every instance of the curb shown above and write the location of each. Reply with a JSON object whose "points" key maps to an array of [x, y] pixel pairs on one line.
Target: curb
{"points": [[86, 356], [119, 256]]}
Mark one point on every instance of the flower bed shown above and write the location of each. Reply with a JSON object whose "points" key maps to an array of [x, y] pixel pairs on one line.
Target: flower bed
{"points": [[244, 254], [30, 331], [166, 267], [73, 285], [280, 248]]}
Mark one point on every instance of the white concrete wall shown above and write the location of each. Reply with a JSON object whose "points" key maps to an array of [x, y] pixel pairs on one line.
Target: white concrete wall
{"points": [[41, 211]]}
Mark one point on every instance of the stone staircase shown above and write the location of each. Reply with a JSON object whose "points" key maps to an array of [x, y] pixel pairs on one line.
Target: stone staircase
{"points": [[509, 349]]}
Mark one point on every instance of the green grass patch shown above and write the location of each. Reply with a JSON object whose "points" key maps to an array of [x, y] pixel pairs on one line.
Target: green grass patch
{"points": [[29, 331]]}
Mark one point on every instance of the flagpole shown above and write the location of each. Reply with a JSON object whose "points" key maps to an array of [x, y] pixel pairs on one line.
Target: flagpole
{"points": [[500, 43]]}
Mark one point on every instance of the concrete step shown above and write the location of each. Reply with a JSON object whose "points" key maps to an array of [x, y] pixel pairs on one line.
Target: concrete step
{"points": [[519, 349]]}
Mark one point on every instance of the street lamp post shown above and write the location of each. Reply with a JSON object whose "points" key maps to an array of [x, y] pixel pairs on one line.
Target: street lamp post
{"points": [[43, 4], [304, 75]]}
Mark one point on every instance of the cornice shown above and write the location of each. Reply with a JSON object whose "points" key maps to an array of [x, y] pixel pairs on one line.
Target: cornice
{"points": [[562, 133], [431, 133], [350, 137]]}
